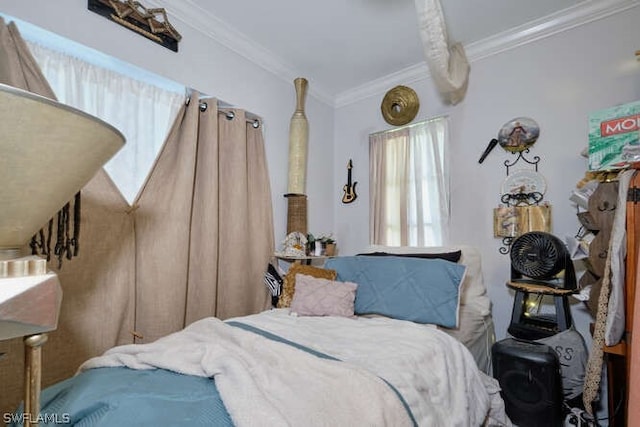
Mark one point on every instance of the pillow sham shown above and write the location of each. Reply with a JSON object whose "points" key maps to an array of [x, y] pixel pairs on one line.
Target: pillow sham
{"points": [[289, 284], [418, 290], [447, 256], [323, 297], [473, 291]]}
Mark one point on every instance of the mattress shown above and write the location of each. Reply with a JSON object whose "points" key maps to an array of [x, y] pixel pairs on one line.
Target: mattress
{"points": [[477, 333]]}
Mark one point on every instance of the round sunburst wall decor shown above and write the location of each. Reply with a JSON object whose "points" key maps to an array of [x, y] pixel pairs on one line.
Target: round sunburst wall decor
{"points": [[400, 105]]}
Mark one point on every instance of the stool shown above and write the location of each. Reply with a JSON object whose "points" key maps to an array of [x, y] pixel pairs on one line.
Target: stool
{"points": [[530, 326]]}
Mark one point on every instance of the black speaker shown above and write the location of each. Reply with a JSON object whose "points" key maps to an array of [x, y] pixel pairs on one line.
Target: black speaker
{"points": [[531, 382]]}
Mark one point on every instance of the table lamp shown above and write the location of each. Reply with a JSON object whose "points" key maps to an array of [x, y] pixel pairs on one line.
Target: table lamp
{"points": [[48, 152]]}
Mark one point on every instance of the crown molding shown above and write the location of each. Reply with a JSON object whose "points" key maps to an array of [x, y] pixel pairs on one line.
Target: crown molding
{"points": [[405, 76], [211, 26], [567, 19], [580, 14]]}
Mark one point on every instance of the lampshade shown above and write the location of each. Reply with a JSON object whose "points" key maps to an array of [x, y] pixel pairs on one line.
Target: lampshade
{"points": [[48, 152]]}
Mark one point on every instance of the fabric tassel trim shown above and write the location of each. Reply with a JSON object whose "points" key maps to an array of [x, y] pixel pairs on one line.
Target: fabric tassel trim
{"points": [[67, 234]]}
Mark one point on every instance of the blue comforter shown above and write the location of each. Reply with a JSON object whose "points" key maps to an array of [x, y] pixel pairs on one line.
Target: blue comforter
{"points": [[128, 397]]}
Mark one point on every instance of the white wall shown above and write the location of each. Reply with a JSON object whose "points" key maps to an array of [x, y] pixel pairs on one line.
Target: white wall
{"points": [[557, 81], [213, 69]]}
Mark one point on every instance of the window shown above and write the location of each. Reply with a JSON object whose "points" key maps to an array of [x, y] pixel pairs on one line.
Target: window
{"points": [[409, 185], [140, 104], [143, 112]]}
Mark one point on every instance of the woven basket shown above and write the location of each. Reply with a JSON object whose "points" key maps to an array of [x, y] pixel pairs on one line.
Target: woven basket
{"points": [[297, 213]]}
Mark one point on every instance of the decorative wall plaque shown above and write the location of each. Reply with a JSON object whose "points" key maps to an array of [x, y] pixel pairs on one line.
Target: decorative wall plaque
{"points": [[151, 23], [400, 105]]}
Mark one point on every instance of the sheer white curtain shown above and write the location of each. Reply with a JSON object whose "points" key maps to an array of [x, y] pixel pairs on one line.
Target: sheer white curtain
{"points": [[143, 112], [409, 185]]}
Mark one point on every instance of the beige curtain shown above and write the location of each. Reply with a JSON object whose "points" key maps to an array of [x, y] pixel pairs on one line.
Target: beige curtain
{"points": [[195, 243], [17, 66], [388, 164], [97, 309], [162, 236], [246, 240], [205, 254], [409, 188]]}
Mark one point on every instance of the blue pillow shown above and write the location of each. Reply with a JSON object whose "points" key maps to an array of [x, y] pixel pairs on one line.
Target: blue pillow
{"points": [[419, 290]]}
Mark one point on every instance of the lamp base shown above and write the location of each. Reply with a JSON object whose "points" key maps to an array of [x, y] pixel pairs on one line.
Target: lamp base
{"points": [[33, 375]]}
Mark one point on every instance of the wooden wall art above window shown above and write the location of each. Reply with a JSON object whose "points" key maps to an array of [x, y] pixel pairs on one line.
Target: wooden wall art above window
{"points": [[151, 23]]}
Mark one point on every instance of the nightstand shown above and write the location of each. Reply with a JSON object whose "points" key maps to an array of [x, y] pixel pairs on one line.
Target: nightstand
{"points": [[307, 260]]}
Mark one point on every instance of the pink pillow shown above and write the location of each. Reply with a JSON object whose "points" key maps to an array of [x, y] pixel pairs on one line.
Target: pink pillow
{"points": [[323, 297]]}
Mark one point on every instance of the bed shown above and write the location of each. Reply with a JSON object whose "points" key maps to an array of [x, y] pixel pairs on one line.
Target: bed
{"points": [[475, 324], [325, 359]]}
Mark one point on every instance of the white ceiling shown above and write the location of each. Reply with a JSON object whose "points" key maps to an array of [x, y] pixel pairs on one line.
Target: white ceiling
{"points": [[339, 45]]}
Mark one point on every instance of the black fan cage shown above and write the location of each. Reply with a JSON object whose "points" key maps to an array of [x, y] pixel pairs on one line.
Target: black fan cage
{"points": [[538, 255]]}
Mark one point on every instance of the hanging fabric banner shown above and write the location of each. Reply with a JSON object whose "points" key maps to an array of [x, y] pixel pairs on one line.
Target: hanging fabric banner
{"points": [[448, 64]]}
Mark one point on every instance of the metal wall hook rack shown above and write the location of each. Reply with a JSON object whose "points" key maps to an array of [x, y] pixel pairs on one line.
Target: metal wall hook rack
{"points": [[520, 199], [506, 245], [521, 156]]}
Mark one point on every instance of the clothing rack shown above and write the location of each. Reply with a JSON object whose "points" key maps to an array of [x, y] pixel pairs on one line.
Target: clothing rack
{"points": [[618, 357]]}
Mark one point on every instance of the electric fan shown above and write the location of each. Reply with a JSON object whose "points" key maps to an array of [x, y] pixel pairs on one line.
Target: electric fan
{"points": [[539, 258], [540, 268]]}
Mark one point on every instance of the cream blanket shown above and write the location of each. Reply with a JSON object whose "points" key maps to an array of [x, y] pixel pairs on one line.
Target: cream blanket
{"points": [[263, 382], [435, 374]]}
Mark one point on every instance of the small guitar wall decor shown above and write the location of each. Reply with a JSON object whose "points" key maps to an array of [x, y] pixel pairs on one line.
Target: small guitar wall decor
{"points": [[349, 189]]}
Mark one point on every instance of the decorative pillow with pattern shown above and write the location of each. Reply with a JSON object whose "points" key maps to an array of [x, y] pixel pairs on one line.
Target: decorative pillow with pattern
{"points": [[289, 285], [323, 297], [273, 281]]}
